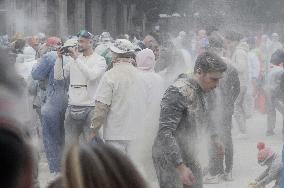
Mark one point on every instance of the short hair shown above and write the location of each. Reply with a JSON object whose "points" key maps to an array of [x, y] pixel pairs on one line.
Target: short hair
{"points": [[251, 41], [210, 29], [156, 37], [277, 57], [99, 166], [209, 62], [15, 155], [216, 42], [233, 36]]}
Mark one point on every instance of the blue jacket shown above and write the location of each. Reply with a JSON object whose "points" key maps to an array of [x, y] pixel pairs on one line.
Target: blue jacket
{"points": [[282, 176], [56, 90]]}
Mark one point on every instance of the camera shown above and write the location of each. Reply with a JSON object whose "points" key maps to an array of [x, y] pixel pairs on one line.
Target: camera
{"points": [[64, 50], [70, 43]]}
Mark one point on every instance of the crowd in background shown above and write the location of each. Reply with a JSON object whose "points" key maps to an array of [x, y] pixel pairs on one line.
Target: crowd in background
{"points": [[95, 101]]}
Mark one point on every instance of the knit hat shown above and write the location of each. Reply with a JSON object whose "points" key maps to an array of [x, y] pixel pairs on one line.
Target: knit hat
{"points": [[264, 153]]}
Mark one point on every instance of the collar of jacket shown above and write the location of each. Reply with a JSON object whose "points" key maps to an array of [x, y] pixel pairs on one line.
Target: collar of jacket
{"points": [[191, 81]]}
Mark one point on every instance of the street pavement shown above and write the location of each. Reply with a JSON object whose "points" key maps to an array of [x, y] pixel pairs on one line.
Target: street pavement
{"points": [[245, 169]]}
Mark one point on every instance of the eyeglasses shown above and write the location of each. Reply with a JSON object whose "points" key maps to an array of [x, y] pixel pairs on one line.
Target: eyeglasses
{"points": [[85, 34]]}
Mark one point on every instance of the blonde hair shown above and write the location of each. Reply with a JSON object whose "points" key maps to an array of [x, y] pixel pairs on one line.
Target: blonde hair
{"points": [[99, 166]]}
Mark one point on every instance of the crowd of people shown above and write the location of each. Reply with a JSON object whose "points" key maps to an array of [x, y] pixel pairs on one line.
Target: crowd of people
{"points": [[106, 108]]}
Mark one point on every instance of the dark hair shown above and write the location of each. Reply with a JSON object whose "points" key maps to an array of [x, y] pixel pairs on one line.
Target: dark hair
{"points": [[19, 45], [233, 36], [15, 156], [277, 57], [210, 29], [156, 37], [209, 62], [100, 166], [216, 42], [251, 42]]}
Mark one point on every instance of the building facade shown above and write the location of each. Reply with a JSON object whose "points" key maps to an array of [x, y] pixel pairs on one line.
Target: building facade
{"points": [[65, 17]]}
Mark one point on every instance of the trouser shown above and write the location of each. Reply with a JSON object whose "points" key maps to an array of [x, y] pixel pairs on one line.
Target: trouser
{"points": [[78, 129], [52, 118], [240, 113], [273, 104], [216, 165]]}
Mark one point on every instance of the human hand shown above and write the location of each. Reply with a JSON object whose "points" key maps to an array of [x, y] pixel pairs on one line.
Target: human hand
{"points": [[59, 53], [73, 52], [186, 175]]}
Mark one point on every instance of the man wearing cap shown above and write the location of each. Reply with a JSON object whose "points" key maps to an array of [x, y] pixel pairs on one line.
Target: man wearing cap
{"points": [[182, 118], [53, 107], [120, 99], [84, 71]]}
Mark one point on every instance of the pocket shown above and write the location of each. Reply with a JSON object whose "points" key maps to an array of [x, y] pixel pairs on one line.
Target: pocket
{"points": [[79, 113]]}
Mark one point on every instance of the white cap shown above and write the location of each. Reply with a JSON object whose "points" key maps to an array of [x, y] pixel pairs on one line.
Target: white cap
{"points": [[71, 42]]}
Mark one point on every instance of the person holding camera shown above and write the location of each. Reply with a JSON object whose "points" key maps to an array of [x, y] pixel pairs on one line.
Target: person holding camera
{"points": [[84, 71], [53, 105]]}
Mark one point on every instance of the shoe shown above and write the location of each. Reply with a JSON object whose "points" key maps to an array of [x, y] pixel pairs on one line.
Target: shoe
{"points": [[242, 136], [270, 133], [208, 179], [227, 176]]}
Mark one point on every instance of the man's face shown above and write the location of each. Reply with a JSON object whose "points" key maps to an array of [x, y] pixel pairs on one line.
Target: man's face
{"points": [[210, 80], [84, 44]]}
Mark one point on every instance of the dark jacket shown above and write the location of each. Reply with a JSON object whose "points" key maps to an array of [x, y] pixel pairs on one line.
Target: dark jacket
{"points": [[230, 88], [183, 112]]}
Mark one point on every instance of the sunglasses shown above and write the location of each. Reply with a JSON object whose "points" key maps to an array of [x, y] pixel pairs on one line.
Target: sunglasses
{"points": [[85, 34]]}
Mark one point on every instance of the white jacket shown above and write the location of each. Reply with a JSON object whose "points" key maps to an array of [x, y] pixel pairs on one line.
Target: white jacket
{"points": [[240, 62], [85, 74], [254, 65]]}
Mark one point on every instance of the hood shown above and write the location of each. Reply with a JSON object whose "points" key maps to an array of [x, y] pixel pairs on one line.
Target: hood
{"points": [[145, 60]]}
